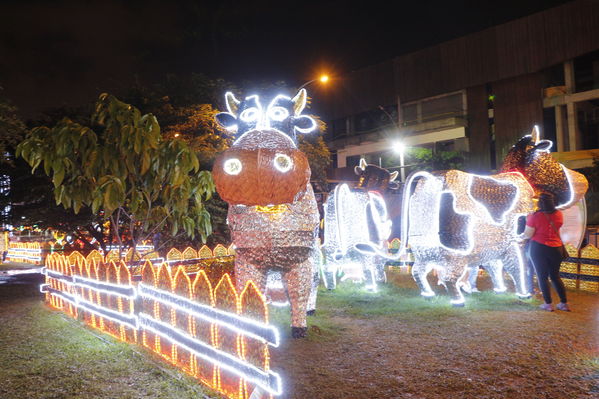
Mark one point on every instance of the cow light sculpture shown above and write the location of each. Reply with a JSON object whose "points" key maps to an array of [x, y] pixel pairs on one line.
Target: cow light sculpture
{"points": [[355, 216], [273, 214], [455, 221]]}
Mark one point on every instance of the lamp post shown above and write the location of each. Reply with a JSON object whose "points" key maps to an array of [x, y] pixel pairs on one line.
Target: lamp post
{"points": [[400, 149], [321, 79]]}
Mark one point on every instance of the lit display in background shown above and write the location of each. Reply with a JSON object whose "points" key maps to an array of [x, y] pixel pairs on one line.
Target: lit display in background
{"points": [[169, 315], [26, 252], [455, 221]]}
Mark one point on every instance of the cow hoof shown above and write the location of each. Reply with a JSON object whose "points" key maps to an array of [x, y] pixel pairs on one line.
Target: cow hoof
{"points": [[298, 332], [458, 305], [311, 312]]}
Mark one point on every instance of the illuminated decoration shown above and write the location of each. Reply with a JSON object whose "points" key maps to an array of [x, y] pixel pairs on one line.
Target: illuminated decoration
{"points": [[455, 221], [232, 166], [273, 214], [25, 252], [182, 321], [531, 156], [353, 217], [283, 163], [282, 114]]}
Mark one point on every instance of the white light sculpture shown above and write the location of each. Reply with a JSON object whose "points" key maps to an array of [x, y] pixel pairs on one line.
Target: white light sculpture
{"points": [[455, 221]]}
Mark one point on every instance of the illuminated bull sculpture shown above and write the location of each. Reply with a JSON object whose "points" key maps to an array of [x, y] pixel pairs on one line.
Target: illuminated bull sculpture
{"points": [[273, 214], [455, 221], [356, 216]]}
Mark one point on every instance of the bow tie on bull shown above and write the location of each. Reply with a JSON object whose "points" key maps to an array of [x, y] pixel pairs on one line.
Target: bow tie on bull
{"points": [[455, 221], [273, 215]]}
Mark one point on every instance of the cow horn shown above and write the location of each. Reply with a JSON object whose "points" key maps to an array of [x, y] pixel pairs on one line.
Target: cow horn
{"points": [[232, 103], [393, 176], [363, 164], [535, 134], [299, 102]]}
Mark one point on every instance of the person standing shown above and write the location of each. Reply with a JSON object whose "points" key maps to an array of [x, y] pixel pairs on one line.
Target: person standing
{"points": [[542, 227]]}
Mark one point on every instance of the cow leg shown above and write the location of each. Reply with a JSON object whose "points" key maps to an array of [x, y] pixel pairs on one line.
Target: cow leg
{"points": [[245, 271], [454, 293], [329, 269], [368, 271], [311, 308], [514, 265], [419, 272], [298, 281], [381, 276], [495, 270]]}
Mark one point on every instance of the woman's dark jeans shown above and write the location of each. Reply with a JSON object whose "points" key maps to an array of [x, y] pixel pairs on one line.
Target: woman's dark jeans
{"points": [[547, 261]]}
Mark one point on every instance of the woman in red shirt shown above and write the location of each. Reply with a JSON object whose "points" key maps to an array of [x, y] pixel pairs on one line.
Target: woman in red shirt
{"points": [[542, 227]]}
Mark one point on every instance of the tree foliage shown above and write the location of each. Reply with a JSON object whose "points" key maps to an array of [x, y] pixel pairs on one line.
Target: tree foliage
{"points": [[12, 130], [123, 170]]}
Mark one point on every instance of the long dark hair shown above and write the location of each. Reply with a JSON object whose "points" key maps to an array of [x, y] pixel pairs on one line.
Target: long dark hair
{"points": [[546, 203]]}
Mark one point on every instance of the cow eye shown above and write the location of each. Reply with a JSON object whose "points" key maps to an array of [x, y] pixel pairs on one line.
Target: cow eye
{"points": [[278, 114], [249, 115], [232, 166], [283, 163]]}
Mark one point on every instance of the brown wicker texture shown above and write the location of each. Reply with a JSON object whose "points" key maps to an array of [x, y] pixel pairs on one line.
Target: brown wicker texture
{"points": [[259, 182]]}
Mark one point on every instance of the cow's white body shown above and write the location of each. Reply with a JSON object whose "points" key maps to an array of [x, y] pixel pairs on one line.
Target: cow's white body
{"points": [[456, 221], [354, 217]]}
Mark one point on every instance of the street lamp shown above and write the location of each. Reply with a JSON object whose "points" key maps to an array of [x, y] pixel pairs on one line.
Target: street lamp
{"points": [[400, 148], [321, 79]]}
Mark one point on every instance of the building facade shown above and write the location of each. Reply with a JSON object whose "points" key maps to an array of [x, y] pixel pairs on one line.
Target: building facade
{"points": [[477, 94]]}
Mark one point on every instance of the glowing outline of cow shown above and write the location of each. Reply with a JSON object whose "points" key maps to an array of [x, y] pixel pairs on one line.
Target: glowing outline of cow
{"points": [[435, 255], [356, 205]]}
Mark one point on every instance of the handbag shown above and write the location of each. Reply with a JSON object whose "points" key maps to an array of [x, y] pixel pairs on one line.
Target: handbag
{"points": [[562, 249]]}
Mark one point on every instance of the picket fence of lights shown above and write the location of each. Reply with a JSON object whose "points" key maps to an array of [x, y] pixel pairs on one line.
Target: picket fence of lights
{"points": [[216, 334], [25, 252]]}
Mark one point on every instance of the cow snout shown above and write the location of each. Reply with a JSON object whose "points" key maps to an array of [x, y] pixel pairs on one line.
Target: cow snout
{"points": [[261, 176]]}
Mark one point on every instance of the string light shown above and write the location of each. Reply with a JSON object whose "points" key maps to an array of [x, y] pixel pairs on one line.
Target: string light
{"points": [[74, 290]]}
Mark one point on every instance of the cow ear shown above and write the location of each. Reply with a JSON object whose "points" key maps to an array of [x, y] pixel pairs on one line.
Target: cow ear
{"points": [[299, 102], [543, 145], [232, 103], [535, 134], [393, 176], [304, 124], [227, 120]]}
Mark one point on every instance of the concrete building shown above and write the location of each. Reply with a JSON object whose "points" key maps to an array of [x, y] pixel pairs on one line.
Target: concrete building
{"points": [[477, 94]]}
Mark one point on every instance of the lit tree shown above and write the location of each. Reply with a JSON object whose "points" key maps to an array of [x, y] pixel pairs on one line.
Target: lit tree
{"points": [[123, 170]]}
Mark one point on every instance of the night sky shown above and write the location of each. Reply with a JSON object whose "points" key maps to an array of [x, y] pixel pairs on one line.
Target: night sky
{"points": [[67, 52]]}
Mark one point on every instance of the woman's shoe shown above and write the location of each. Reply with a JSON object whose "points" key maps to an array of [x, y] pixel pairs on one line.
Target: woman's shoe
{"points": [[547, 306], [563, 306]]}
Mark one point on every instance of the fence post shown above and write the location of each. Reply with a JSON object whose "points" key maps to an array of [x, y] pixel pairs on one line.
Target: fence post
{"points": [[225, 298], [181, 320], [164, 282], [148, 277], [252, 305], [202, 293]]}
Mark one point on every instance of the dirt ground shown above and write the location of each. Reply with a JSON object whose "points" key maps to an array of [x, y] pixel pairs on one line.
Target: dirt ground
{"points": [[390, 344], [495, 347]]}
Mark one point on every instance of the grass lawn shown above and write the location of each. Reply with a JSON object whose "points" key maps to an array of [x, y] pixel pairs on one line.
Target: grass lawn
{"points": [[46, 354], [397, 344], [389, 344]]}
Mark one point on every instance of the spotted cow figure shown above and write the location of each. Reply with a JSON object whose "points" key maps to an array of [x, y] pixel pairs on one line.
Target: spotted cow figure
{"points": [[454, 221], [273, 215]]}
